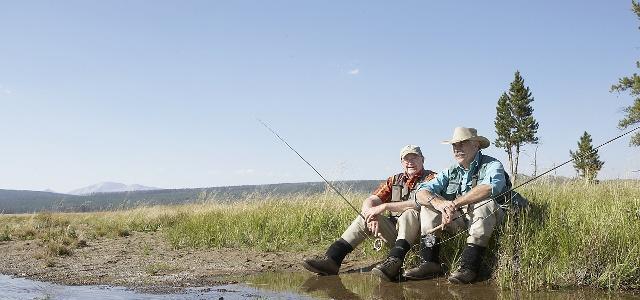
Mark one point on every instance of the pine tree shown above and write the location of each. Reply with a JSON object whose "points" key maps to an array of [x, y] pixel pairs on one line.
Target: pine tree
{"points": [[515, 125], [586, 159], [633, 85]]}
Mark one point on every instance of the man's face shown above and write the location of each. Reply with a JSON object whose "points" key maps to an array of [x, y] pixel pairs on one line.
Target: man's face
{"points": [[412, 163], [465, 151]]}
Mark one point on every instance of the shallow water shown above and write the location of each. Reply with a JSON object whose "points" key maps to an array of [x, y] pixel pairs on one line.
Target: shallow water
{"points": [[297, 286], [20, 288], [368, 286]]}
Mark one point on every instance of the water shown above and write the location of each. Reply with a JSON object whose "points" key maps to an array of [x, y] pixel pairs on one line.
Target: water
{"points": [[297, 286], [20, 288]]}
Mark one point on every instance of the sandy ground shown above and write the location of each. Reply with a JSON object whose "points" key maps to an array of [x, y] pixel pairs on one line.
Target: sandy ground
{"points": [[146, 261]]}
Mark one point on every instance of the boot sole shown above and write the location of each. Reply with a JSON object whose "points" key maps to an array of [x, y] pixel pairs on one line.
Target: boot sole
{"points": [[455, 280], [421, 278], [382, 275], [312, 269]]}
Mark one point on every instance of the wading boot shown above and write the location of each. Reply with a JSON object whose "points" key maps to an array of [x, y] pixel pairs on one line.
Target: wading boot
{"points": [[430, 266], [426, 270], [329, 264], [469, 265], [389, 269]]}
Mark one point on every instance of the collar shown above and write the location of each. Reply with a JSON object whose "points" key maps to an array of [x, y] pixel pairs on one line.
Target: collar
{"points": [[474, 163]]}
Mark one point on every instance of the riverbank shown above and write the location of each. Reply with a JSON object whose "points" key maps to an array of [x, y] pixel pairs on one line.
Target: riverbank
{"points": [[147, 261], [572, 235]]}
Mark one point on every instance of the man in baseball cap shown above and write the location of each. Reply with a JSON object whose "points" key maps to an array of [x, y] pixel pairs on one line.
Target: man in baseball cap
{"points": [[390, 213]]}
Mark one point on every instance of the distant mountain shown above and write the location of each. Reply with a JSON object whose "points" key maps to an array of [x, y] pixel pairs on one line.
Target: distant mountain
{"points": [[110, 187], [12, 201]]}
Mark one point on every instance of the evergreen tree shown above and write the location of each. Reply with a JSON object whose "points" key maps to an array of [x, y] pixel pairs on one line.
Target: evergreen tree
{"points": [[515, 125], [586, 159], [632, 84]]}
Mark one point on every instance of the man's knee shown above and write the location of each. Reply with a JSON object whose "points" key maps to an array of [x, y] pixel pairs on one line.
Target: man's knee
{"points": [[409, 226], [429, 218]]}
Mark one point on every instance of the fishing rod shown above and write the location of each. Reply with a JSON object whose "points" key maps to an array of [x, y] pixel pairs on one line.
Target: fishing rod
{"points": [[522, 184], [325, 180]]}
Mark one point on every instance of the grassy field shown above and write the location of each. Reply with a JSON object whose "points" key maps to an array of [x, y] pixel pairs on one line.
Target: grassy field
{"points": [[572, 234]]}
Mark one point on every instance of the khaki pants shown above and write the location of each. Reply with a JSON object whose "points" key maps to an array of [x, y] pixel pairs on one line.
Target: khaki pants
{"points": [[407, 227], [483, 221]]}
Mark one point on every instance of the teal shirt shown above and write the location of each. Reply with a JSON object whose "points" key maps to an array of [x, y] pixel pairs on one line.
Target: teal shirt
{"points": [[494, 177]]}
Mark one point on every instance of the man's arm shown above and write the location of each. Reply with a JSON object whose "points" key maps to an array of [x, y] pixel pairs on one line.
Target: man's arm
{"points": [[476, 194], [380, 207], [428, 192], [491, 185], [426, 197], [370, 202]]}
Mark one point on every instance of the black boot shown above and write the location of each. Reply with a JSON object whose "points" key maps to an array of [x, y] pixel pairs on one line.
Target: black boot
{"points": [[389, 269], [469, 265], [329, 264], [430, 261]]}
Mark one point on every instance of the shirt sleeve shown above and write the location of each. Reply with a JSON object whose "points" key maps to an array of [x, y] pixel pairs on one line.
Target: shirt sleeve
{"points": [[494, 176], [437, 184], [384, 190]]}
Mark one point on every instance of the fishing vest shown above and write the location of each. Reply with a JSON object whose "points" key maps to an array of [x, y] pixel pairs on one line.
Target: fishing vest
{"points": [[400, 192], [456, 175]]}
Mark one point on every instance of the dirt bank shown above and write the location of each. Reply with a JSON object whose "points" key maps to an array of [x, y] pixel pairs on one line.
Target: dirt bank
{"points": [[146, 261]]}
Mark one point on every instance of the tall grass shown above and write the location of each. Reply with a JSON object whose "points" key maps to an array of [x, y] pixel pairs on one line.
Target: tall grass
{"points": [[278, 224], [571, 235]]}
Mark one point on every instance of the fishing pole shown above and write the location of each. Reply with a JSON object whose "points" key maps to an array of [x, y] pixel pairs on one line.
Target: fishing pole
{"points": [[325, 180], [522, 184]]}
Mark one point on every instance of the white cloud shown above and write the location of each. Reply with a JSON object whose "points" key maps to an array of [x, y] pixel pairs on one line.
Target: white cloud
{"points": [[354, 72], [5, 90]]}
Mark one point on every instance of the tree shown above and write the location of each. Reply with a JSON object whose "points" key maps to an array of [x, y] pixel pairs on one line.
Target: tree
{"points": [[515, 125], [586, 160], [632, 84]]}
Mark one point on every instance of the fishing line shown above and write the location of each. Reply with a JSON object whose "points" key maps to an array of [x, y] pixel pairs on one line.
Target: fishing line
{"points": [[325, 180]]}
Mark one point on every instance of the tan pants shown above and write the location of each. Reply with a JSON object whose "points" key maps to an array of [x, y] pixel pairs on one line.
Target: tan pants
{"points": [[483, 221], [407, 227]]}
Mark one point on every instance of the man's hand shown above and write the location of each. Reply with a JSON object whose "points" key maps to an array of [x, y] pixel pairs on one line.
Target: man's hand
{"points": [[372, 213], [446, 208], [373, 226]]}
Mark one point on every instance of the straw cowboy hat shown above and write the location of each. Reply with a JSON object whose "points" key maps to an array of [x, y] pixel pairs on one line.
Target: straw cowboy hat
{"points": [[463, 133]]}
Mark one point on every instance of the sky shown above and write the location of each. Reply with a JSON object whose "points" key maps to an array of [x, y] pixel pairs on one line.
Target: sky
{"points": [[168, 93]]}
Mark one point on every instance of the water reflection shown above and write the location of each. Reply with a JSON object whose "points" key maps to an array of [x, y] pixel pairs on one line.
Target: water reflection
{"points": [[367, 286], [298, 286]]}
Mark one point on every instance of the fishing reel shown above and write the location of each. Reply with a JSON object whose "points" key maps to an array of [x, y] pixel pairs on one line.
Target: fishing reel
{"points": [[377, 244], [429, 240]]}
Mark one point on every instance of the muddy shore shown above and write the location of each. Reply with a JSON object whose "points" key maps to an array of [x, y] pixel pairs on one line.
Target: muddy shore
{"points": [[146, 261]]}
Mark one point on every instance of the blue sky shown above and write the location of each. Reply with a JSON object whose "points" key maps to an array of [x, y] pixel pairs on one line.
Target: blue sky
{"points": [[167, 94]]}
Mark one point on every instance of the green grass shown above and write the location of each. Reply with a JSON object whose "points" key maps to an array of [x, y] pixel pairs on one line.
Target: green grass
{"points": [[572, 234]]}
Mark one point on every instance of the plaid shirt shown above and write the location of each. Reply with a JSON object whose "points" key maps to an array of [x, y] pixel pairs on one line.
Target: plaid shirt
{"points": [[384, 190]]}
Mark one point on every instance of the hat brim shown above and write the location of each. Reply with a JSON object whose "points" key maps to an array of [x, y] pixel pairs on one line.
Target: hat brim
{"points": [[410, 152], [484, 142]]}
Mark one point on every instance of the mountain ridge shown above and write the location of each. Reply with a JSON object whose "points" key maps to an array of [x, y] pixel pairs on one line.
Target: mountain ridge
{"points": [[110, 187]]}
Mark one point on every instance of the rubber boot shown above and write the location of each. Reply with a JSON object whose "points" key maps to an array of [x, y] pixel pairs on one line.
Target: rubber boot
{"points": [[469, 265], [389, 269], [430, 266], [329, 264]]}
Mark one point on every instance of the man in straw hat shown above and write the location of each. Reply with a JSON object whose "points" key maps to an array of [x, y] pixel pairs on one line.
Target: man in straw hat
{"points": [[400, 230], [470, 183]]}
